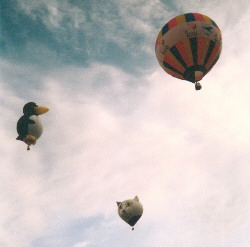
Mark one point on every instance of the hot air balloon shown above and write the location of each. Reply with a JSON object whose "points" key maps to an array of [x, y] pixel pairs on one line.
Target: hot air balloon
{"points": [[130, 210], [188, 46], [29, 126]]}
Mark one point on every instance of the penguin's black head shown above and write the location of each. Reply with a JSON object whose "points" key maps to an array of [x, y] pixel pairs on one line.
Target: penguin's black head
{"points": [[32, 108], [29, 109]]}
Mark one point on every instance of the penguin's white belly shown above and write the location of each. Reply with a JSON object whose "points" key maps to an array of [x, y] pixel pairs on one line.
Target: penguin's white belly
{"points": [[35, 129]]}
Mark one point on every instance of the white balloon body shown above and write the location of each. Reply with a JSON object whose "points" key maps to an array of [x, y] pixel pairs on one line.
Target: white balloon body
{"points": [[130, 210], [35, 129]]}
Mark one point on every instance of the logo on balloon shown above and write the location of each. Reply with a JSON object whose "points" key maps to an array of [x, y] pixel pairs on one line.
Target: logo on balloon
{"points": [[191, 34]]}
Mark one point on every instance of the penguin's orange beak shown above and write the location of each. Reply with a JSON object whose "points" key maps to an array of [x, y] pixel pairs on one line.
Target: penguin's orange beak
{"points": [[41, 110]]}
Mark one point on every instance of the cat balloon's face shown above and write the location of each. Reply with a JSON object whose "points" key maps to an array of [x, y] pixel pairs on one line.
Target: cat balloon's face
{"points": [[130, 210]]}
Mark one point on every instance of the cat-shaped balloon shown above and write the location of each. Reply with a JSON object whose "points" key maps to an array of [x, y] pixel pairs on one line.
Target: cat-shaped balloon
{"points": [[130, 211]]}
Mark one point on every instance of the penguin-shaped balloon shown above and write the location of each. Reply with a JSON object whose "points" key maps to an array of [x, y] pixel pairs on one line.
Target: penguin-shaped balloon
{"points": [[29, 126], [130, 211]]}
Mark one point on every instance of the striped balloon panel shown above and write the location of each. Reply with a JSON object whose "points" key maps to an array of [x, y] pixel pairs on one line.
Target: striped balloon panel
{"points": [[214, 62], [214, 51], [184, 49], [172, 71], [186, 31], [203, 44], [189, 17], [193, 53], [174, 61], [188, 46]]}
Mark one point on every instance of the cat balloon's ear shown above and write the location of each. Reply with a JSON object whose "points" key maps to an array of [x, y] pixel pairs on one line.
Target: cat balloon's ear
{"points": [[136, 198], [118, 203]]}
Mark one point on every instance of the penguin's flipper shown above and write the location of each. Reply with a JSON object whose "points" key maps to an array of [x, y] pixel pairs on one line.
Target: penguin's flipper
{"points": [[22, 127], [31, 121], [19, 138]]}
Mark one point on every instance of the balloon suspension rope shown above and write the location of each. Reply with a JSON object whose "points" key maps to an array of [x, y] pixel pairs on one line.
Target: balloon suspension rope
{"points": [[28, 148], [133, 228]]}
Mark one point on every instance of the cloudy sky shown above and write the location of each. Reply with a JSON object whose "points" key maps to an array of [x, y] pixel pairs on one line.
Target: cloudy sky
{"points": [[119, 126]]}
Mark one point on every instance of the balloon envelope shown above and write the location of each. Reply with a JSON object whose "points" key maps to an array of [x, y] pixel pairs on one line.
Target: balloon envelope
{"points": [[188, 46], [130, 210]]}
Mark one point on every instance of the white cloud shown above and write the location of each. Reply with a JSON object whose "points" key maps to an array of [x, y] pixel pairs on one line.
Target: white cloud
{"points": [[115, 22], [110, 136], [172, 146], [82, 244]]}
